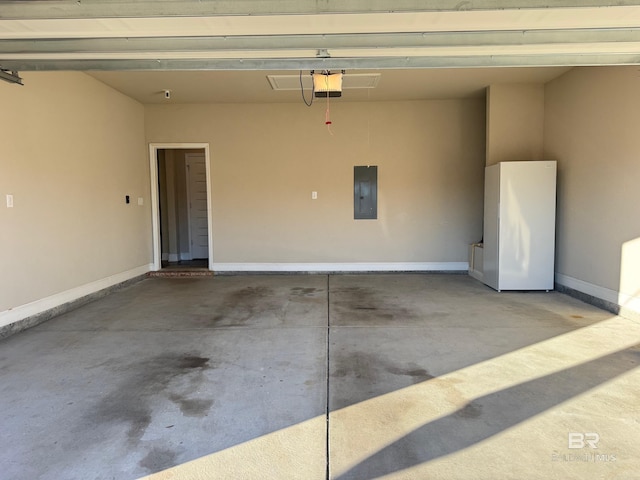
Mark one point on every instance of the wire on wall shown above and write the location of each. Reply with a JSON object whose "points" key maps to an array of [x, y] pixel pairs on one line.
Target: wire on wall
{"points": [[308, 104]]}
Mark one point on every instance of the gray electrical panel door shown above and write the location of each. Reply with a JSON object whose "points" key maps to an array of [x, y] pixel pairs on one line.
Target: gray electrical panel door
{"points": [[365, 192]]}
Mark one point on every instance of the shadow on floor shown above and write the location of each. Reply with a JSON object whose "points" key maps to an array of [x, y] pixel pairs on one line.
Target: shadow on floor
{"points": [[491, 414]]}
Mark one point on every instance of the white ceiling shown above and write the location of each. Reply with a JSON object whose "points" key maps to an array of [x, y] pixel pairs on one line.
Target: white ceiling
{"points": [[252, 86], [221, 50]]}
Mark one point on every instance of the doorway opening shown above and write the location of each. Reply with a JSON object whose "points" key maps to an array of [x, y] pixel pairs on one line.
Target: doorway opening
{"points": [[181, 206]]}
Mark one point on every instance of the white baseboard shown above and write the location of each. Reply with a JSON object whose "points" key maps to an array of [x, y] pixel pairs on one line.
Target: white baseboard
{"points": [[185, 256], [174, 257], [612, 296], [21, 312], [343, 267]]}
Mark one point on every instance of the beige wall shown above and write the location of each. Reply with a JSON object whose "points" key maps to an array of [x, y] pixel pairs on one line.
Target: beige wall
{"points": [[71, 149], [515, 122], [267, 159], [591, 128]]}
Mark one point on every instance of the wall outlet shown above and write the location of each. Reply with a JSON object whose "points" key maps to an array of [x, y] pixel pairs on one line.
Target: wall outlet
{"points": [[9, 201], [314, 195], [140, 201]]}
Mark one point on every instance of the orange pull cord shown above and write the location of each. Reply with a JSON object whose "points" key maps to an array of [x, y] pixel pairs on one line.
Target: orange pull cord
{"points": [[327, 114]]}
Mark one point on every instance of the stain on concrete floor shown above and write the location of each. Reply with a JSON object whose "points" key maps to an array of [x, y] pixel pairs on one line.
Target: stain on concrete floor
{"points": [[366, 305], [148, 398], [302, 291], [143, 382], [158, 459], [366, 372], [373, 367]]}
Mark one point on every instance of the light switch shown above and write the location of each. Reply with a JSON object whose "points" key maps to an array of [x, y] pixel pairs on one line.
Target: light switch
{"points": [[140, 201], [9, 201], [314, 195]]}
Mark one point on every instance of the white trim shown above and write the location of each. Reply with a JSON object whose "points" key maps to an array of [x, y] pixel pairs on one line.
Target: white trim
{"points": [[42, 305], [186, 256], [173, 257], [155, 204], [588, 288], [617, 298], [343, 267], [155, 209], [207, 166]]}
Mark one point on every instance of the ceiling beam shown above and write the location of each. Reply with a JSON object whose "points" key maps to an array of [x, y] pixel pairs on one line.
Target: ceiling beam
{"points": [[323, 24], [333, 63], [90, 46], [75, 9], [474, 33]]}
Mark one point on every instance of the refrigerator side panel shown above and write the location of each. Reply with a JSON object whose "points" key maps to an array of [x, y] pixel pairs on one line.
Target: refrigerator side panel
{"points": [[543, 219], [491, 224], [527, 234]]}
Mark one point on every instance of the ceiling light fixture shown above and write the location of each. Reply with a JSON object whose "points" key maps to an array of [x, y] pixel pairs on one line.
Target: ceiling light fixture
{"points": [[327, 84]]}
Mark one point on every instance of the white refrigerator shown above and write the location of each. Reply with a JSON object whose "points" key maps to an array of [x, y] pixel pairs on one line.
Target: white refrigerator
{"points": [[519, 225]]}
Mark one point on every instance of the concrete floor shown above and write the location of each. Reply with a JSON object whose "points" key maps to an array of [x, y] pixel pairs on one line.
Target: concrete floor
{"points": [[430, 376]]}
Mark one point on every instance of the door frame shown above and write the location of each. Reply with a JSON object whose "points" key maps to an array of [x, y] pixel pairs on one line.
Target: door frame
{"points": [[155, 194]]}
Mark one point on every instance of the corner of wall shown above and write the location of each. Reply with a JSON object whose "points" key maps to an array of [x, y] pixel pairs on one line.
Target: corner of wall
{"points": [[515, 122]]}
